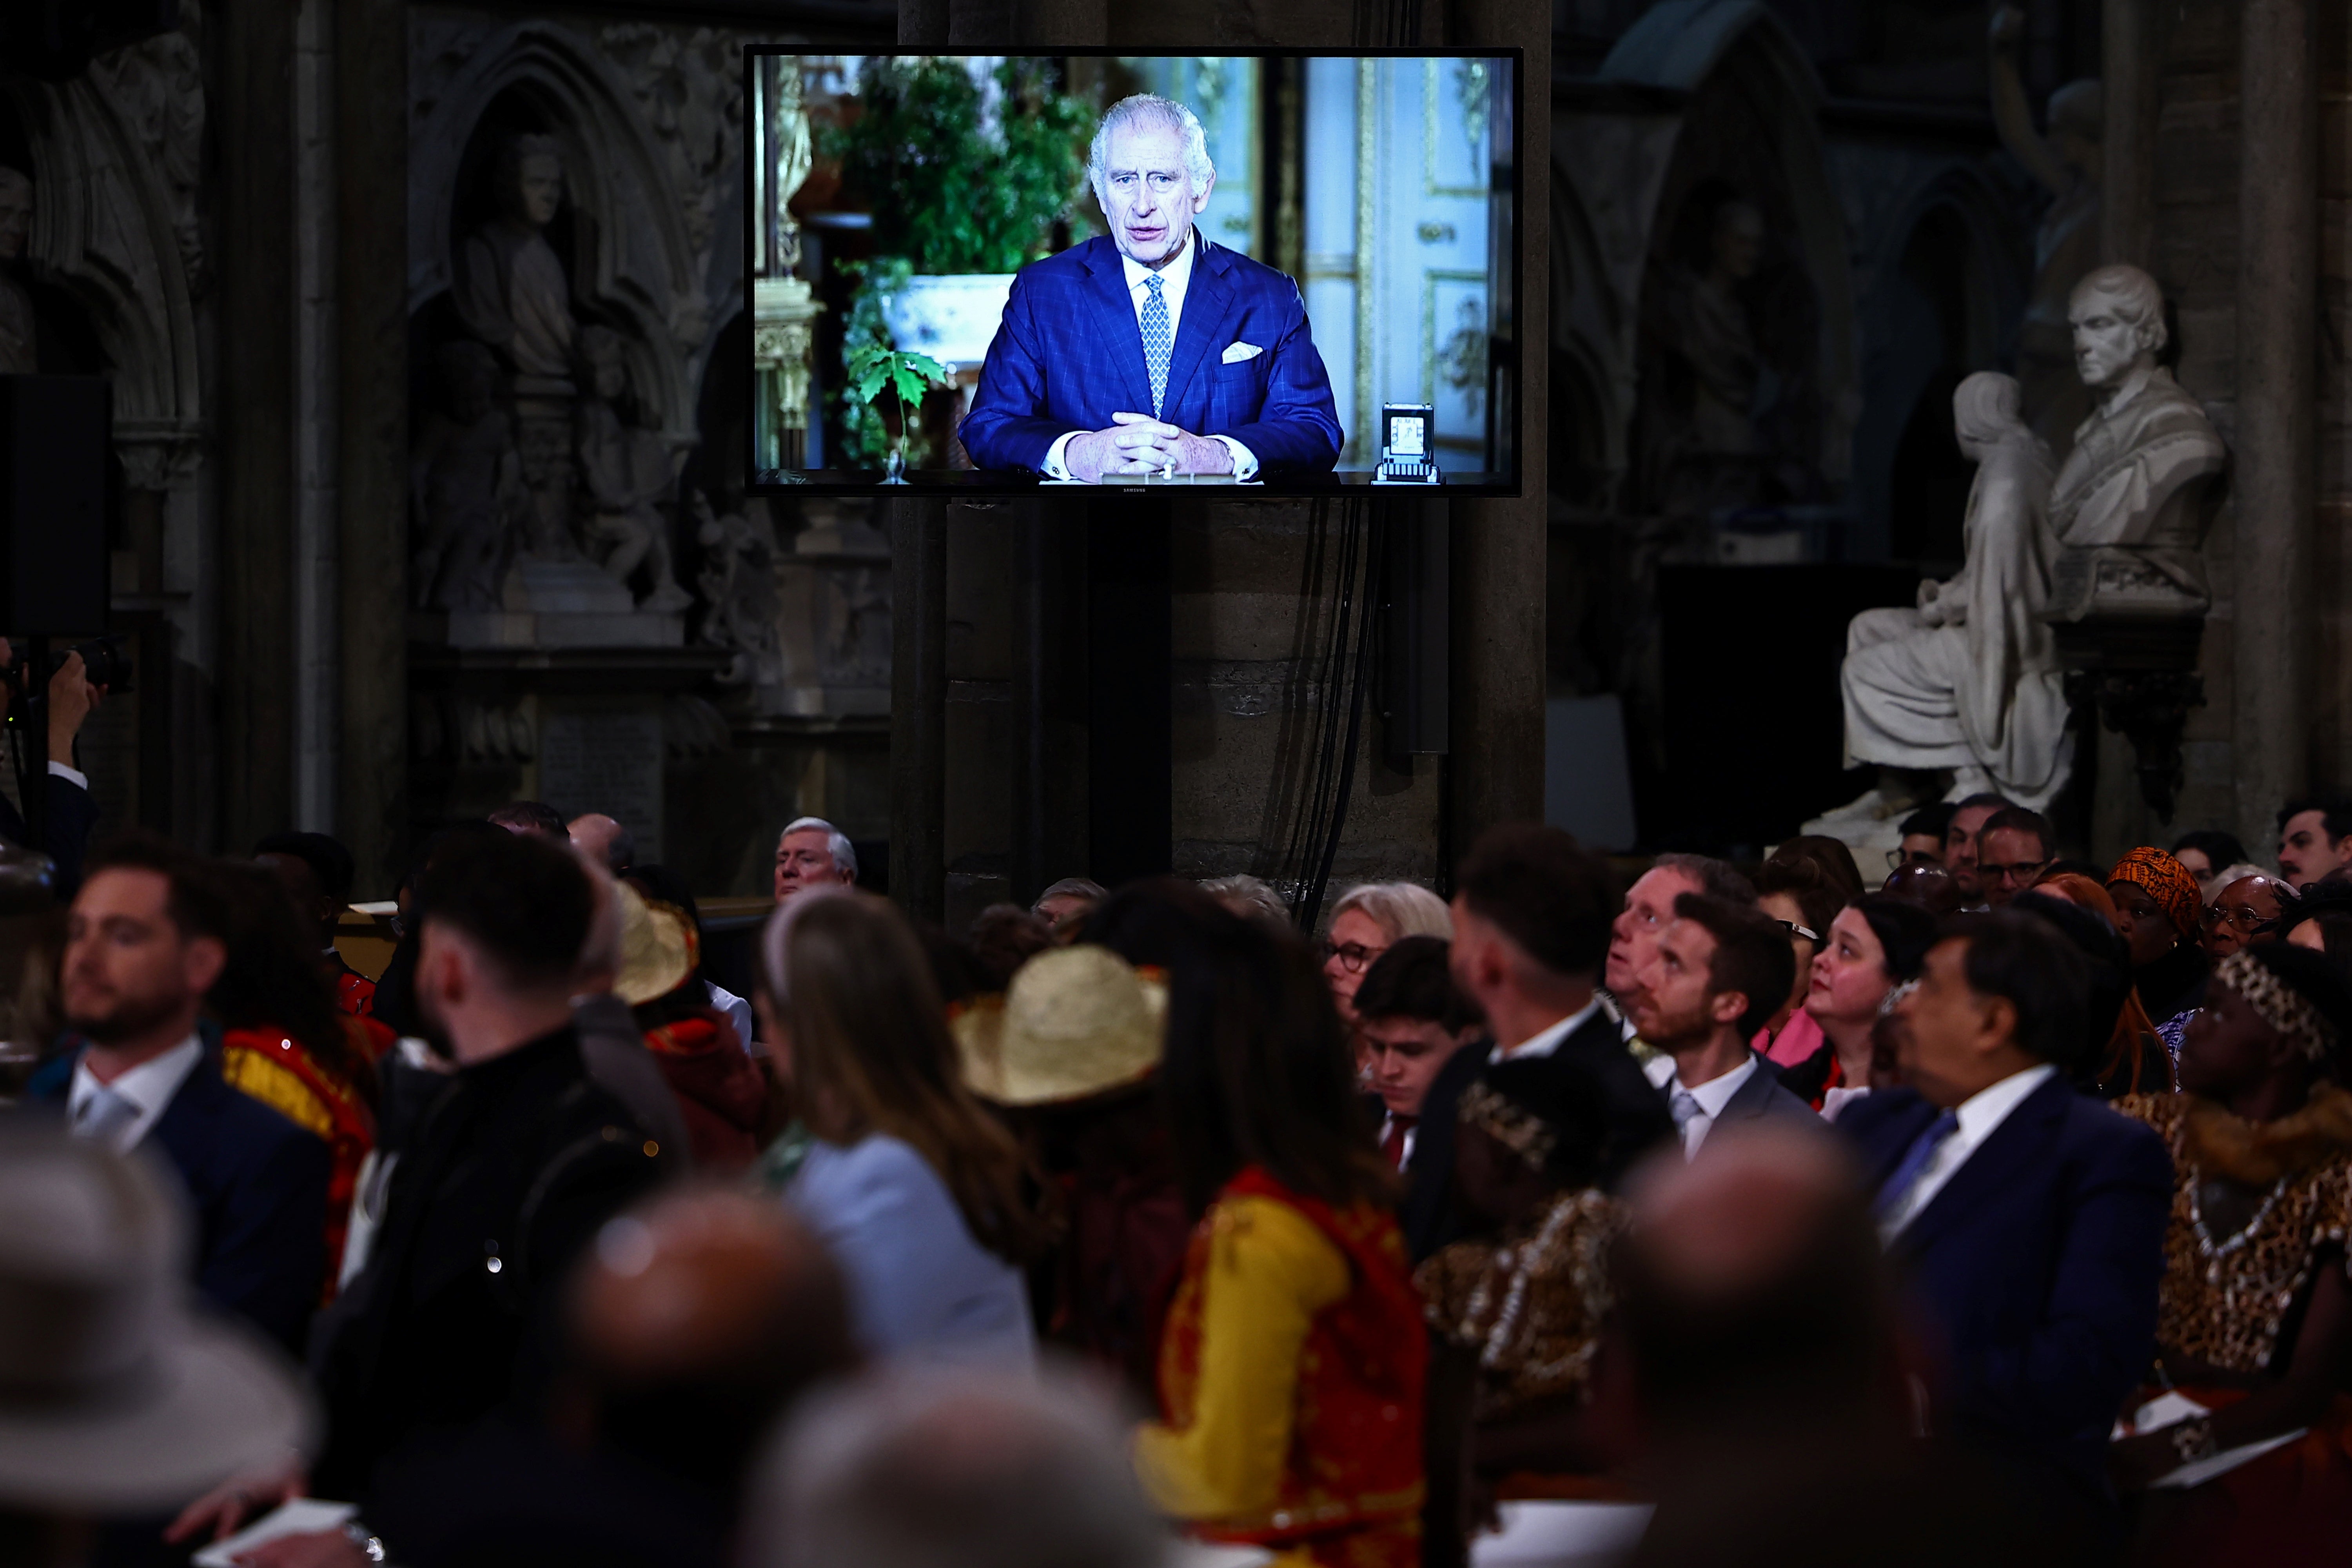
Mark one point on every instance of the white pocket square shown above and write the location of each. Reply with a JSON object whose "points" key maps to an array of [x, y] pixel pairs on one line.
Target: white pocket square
{"points": [[1236, 352]]}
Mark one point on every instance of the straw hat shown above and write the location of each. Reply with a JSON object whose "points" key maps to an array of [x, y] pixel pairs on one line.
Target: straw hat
{"points": [[113, 1397], [1076, 1022], [657, 947]]}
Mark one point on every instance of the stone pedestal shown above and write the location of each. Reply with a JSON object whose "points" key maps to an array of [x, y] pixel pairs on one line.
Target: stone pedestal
{"points": [[2137, 676]]}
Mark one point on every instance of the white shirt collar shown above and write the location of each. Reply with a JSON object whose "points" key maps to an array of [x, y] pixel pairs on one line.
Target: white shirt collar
{"points": [[149, 1086], [1979, 1116], [1174, 278], [1717, 1092], [1544, 1042]]}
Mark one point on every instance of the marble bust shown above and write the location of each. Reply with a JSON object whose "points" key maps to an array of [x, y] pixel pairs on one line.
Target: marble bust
{"points": [[18, 351], [511, 291], [1968, 683], [2125, 508]]}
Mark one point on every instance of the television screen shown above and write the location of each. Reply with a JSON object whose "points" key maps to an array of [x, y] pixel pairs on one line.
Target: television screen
{"points": [[1273, 273]]}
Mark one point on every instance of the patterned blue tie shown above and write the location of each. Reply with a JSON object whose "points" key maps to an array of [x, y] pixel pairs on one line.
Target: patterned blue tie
{"points": [[1906, 1175], [1157, 341]]}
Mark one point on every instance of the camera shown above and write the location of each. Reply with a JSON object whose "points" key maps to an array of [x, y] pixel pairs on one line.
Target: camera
{"points": [[106, 661]]}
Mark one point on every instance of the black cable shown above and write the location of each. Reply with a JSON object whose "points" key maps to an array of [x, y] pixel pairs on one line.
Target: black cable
{"points": [[1373, 530]]}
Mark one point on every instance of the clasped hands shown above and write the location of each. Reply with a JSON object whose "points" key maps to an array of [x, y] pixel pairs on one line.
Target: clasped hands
{"points": [[1137, 444]]}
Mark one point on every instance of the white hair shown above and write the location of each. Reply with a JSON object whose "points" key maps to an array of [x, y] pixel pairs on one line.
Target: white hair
{"points": [[836, 842], [1145, 106], [1400, 909]]}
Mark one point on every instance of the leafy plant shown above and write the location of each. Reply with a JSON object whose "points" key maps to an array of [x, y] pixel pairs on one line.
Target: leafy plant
{"points": [[865, 439], [877, 368], [954, 187]]}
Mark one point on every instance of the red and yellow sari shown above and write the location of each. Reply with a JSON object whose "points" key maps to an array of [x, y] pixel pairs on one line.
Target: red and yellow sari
{"points": [[283, 1075]]}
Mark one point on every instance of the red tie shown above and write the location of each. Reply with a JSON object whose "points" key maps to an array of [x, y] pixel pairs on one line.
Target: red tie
{"points": [[1392, 1144]]}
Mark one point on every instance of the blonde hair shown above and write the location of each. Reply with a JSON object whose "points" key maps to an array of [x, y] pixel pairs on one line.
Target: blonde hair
{"points": [[1400, 909]]}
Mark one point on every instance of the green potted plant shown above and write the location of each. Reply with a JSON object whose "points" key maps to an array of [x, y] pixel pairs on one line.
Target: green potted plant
{"points": [[964, 191], [876, 369]]}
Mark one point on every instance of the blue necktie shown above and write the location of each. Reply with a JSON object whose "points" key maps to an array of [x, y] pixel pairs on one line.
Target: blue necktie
{"points": [[1157, 340], [1906, 1175]]}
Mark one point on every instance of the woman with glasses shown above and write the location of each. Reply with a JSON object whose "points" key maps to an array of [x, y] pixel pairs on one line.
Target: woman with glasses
{"points": [[1875, 945], [2247, 911], [1793, 893], [1365, 922], [2161, 915]]}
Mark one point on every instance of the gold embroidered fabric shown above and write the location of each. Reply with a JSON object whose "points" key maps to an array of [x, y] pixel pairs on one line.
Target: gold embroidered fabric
{"points": [[2224, 1297], [1531, 1305]]}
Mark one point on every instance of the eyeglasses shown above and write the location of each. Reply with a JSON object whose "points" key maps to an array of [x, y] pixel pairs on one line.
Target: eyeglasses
{"points": [[2246, 919], [1793, 928], [1895, 996], [1353, 956], [2020, 871], [1898, 859]]}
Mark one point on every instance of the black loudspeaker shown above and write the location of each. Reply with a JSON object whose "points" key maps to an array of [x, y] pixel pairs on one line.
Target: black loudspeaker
{"points": [[54, 431]]}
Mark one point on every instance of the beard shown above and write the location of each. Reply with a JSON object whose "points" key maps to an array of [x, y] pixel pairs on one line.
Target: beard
{"points": [[1668, 1030], [119, 1018]]}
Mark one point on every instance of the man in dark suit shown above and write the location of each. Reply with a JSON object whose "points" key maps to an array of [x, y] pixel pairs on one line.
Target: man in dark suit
{"points": [[1151, 350], [1717, 972], [145, 940], [70, 813], [1531, 915], [2028, 1220], [1410, 1020]]}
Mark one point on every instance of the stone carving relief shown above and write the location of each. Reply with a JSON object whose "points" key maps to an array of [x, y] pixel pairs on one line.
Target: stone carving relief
{"points": [[465, 484], [159, 85], [625, 474], [739, 584]]}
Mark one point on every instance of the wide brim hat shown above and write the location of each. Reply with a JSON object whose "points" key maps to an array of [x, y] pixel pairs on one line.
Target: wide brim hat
{"points": [[658, 948], [1076, 1022], [115, 1395]]}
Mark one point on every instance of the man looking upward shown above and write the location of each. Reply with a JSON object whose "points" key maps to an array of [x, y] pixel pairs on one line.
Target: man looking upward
{"points": [[1151, 350], [1719, 970]]}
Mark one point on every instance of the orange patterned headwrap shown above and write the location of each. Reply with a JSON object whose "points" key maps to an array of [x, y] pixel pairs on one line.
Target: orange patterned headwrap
{"points": [[2166, 881]]}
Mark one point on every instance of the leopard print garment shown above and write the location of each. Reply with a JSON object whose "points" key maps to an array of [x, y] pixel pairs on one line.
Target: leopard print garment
{"points": [[1531, 1306], [2223, 1301]]}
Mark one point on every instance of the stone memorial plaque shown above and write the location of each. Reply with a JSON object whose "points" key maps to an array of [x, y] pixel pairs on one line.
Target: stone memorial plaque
{"points": [[606, 757]]}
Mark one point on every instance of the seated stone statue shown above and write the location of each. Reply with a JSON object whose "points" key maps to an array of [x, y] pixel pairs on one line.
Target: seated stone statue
{"points": [[625, 473], [466, 485], [2125, 506], [1968, 682]]}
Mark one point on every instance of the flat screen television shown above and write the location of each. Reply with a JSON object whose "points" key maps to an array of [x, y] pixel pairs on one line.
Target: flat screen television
{"points": [[1269, 272]]}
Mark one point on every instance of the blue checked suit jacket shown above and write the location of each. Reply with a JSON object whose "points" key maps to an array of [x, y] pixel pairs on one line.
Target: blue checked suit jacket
{"points": [[1068, 355]]}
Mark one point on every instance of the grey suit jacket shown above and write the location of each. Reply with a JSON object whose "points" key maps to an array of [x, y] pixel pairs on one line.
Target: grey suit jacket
{"points": [[1763, 1099]]}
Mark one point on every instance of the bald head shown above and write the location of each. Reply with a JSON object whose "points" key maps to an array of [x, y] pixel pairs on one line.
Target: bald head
{"points": [[696, 1319], [606, 840]]}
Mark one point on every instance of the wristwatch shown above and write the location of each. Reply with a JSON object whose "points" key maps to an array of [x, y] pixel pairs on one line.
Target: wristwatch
{"points": [[2193, 1440], [370, 1546]]}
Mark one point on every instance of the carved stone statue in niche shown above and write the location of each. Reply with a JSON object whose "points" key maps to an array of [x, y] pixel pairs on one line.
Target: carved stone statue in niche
{"points": [[2068, 162], [1968, 683], [472, 508], [2125, 506], [18, 351], [624, 474], [512, 294], [739, 581]]}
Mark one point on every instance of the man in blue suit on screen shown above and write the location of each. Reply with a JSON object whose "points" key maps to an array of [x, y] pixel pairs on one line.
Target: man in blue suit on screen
{"points": [[1152, 350]]}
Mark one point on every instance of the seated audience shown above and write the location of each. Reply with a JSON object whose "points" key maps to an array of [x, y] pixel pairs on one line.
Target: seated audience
{"points": [[2254, 1317], [147, 937], [1932, 888], [1369, 920], [717, 1085], [697, 1320], [1410, 1020], [927, 1467], [913, 1187], [2314, 837], [1874, 945], [1649, 907], [1066, 904], [1718, 965], [1252, 897], [2121, 1052], [2013, 848], [2027, 1220], [1962, 844], [2246, 911], [813, 853], [1801, 898], [612, 1042], [2160, 915], [603, 840], [1531, 929], [1292, 1356], [1003, 938], [1070, 1054], [118, 1398], [1923, 833], [318, 873], [2322, 921], [1517, 1309], [2205, 854], [284, 1043]]}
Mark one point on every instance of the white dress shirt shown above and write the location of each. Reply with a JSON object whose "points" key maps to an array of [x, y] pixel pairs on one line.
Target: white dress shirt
{"points": [[1712, 1096], [738, 1011], [1411, 1136], [73, 776], [1978, 1115], [1175, 279], [1546, 1041], [150, 1087]]}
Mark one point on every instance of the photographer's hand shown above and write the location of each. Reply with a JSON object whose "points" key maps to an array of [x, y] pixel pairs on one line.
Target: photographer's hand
{"points": [[71, 697]]}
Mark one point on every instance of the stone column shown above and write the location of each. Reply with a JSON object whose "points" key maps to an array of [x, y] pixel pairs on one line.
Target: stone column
{"points": [[919, 705], [2128, 62], [372, 446], [1500, 546], [2272, 632], [255, 128]]}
